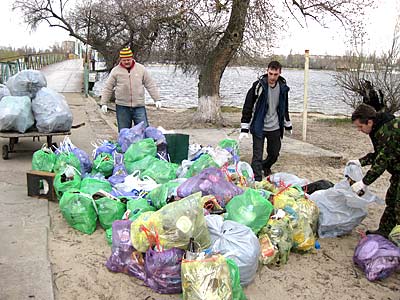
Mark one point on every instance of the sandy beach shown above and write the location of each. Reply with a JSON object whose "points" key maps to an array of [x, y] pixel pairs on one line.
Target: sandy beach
{"points": [[328, 273]]}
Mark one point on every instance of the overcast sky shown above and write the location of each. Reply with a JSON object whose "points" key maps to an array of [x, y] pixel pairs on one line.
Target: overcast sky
{"points": [[315, 38]]}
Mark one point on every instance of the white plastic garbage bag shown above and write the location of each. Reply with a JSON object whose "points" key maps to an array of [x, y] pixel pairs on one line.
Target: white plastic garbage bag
{"points": [[16, 114], [4, 91], [51, 111], [236, 241], [26, 83], [340, 209], [287, 179]]}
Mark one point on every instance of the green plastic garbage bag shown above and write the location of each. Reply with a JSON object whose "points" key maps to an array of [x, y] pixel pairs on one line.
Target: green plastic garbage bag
{"points": [[109, 236], [44, 160], [250, 209], [139, 150], [109, 210], [230, 145], [65, 159], [93, 185], [63, 182], [237, 291], [140, 165], [161, 171], [200, 164], [104, 164], [161, 194], [79, 211], [138, 207]]}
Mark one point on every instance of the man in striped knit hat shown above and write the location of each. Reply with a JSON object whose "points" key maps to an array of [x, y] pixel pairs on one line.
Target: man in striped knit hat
{"points": [[129, 79]]}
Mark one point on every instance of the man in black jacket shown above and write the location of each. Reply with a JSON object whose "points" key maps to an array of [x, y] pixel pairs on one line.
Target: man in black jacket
{"points": [[266, 115]]}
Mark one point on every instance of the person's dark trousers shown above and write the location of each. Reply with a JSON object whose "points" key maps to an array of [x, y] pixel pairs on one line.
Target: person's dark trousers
{"points": [[391, 215], [127, 114], [273, 148]]}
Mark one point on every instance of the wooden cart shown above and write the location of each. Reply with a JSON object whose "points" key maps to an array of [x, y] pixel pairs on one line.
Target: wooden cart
{"points": [[15, 136]]}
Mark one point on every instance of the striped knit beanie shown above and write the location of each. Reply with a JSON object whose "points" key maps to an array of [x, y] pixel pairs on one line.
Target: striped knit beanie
{"points": [[125, 53]]}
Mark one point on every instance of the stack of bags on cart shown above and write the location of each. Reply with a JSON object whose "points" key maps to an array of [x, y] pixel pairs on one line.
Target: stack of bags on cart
{"points": [[26, 102], [200, 228]]}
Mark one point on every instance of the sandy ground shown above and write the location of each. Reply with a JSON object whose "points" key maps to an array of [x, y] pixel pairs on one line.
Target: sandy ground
{"points": [[78, 259]]}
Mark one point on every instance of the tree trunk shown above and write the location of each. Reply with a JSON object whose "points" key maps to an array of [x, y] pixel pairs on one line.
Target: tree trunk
{"points": [[209, 107]]}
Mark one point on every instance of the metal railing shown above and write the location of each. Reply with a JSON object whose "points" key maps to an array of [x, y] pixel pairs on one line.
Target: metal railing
{"points": [[12, 65]]}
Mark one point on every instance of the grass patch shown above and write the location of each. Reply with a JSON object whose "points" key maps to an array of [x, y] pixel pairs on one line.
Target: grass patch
{"points": [[336, 120], [230, 109]]}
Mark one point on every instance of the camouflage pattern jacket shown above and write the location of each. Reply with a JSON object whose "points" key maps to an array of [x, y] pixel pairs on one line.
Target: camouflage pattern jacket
{"points": [[385, 137]]}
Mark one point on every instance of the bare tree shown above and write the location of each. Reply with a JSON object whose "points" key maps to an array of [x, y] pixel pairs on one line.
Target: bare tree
{"points": [[201, 36], [381, 72]]}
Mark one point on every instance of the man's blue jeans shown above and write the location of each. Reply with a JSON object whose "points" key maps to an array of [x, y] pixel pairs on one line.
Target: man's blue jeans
{"points": [[126, 114]]}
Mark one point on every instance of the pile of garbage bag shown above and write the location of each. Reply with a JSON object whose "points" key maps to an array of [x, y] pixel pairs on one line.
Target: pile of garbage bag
{"points": [[200, 228], [25, 101]]}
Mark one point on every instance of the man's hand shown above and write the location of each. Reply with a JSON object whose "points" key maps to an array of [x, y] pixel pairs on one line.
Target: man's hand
{"points": [[104, 109], [359, 188], [158, 104], [289, 131], [353, 162], [243, 135]]}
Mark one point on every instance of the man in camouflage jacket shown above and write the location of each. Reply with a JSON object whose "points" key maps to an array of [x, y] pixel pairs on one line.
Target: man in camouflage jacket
{"points": [[384, 131]]}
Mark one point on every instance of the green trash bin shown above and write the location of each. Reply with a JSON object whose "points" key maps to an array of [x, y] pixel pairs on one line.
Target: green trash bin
{"points": [[177, 146]]}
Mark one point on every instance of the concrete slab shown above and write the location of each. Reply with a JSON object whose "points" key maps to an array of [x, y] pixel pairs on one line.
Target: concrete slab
{"points": [[23, 244], [65, 76], [211, 137], [26, 280], [19, 210]]}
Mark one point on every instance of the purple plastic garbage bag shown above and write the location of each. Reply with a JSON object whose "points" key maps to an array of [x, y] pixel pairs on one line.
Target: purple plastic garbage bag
{"points": [[124, 258], [163, 270], [155, 134], [84, 159], [210, 181], [377, 257], [128, 136], [119, 172], [106, 147]]}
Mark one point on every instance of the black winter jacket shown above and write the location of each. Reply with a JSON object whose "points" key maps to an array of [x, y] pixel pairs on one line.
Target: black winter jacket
{"points": [[255, 107]]}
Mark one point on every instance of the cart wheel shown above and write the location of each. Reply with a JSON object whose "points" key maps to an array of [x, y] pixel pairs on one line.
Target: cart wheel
{"points": [[5, 152]]}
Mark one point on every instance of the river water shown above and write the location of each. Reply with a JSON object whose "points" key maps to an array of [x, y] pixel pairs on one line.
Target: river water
{"points": [[180, 91]]}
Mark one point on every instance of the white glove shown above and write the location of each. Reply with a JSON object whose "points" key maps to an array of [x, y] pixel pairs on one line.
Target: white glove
{"points": [[104, 109], [359, 188], [353, 162], [289, 132], [158, 104], [243, 135]]}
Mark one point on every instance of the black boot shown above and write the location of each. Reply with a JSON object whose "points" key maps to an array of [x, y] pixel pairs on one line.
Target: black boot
{"points": [[380, 232], [267, 172]]}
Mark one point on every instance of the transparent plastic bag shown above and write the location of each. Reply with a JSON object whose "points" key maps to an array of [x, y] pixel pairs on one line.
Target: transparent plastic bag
{"points": [[237, 242], [16, 114], [394, 235], [26, 83], [206, 279], [175, 224], [280, 232], [51, 111]]}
